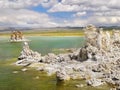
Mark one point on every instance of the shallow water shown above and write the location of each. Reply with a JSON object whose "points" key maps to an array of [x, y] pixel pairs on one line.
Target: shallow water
{"points": [[27, 80]]}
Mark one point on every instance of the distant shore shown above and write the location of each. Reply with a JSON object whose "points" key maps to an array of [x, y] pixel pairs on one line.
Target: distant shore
{"points": [[48, 33]]}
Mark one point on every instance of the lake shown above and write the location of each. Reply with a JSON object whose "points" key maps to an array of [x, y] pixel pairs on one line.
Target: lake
{"points": [[27, 80]]}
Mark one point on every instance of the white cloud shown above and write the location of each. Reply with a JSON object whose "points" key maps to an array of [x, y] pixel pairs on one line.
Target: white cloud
{"points": [[96, 20], [88, 4], [104, 20], [25, 18], [78, 14], [19, 3], [108, 13], [73, 23], [64, 8], [81, 5], [49, 3], [98, 12]]}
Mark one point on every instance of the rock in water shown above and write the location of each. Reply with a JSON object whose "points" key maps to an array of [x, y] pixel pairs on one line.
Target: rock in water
{"points": [[62, 75], [15, 72], [97, 62], [17, 36], [94, 82], [28, 56], [24, 69]]}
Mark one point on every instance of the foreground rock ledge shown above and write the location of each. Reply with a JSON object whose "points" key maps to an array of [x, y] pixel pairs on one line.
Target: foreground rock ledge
{"points": [[98, 62]]}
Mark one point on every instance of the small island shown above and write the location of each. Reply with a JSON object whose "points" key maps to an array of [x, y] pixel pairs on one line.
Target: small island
{"points": [[17, 36], [97, 62]]}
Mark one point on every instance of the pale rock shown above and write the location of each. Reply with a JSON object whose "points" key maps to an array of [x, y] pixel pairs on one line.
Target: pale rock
{"points": [[15, 72], [94, 82], [98, 61], [37, 77], [24, 69], [62, 75], [81, 85]]}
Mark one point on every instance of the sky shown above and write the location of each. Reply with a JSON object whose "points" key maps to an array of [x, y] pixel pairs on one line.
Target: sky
{"points": [[59, 13]]}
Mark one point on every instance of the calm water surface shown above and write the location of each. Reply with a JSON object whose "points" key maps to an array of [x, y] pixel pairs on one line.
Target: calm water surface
{"points": [[27, 80]]}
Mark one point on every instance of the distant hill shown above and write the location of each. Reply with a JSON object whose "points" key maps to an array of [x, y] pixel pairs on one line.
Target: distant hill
{"points": [[110, 27]]}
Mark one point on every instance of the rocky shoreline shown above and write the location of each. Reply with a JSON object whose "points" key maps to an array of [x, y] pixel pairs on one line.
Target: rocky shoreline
{"points": [[98, 62]]}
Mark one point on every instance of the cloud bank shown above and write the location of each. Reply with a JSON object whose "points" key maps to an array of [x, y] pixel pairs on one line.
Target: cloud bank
{"points": [[19, 13]]}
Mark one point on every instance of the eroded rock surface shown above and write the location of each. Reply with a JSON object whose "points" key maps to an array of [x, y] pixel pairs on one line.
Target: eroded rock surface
{"points": [[98, 61]]}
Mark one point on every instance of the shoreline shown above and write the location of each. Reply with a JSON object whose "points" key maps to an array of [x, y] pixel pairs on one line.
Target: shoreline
{"points": [[50, 33], [47, 35]]}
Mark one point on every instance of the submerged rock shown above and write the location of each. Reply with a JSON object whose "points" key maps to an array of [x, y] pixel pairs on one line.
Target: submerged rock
{"points": [[37, 77], [80, 85], [15, 72], [24, 69]]}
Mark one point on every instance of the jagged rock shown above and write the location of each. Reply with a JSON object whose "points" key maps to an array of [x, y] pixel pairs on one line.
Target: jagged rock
{"points": [[23, 62], [75, 75], [28, 56], [50, 58], [17, 36], [113, 83], [62, 75], [64, 57], [51, 69], [95, 82], [97, 62], [83, 55]]}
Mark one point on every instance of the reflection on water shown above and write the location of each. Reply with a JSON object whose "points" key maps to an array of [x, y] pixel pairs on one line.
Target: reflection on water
{"points": [[27, 80]]}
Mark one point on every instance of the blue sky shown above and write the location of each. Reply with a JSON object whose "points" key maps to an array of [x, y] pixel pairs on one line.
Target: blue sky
{"points": [[63, 15], [59, 13]]}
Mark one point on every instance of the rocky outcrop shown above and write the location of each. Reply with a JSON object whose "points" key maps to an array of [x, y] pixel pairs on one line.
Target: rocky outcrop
{"points": [[62, 75], [17, 36], [97, 62], [28, 56], [95, 82]]}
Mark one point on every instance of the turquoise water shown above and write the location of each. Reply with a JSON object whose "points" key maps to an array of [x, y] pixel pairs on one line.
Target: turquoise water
{"points": [[27, 80], [48, 44], [43, 45]]}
